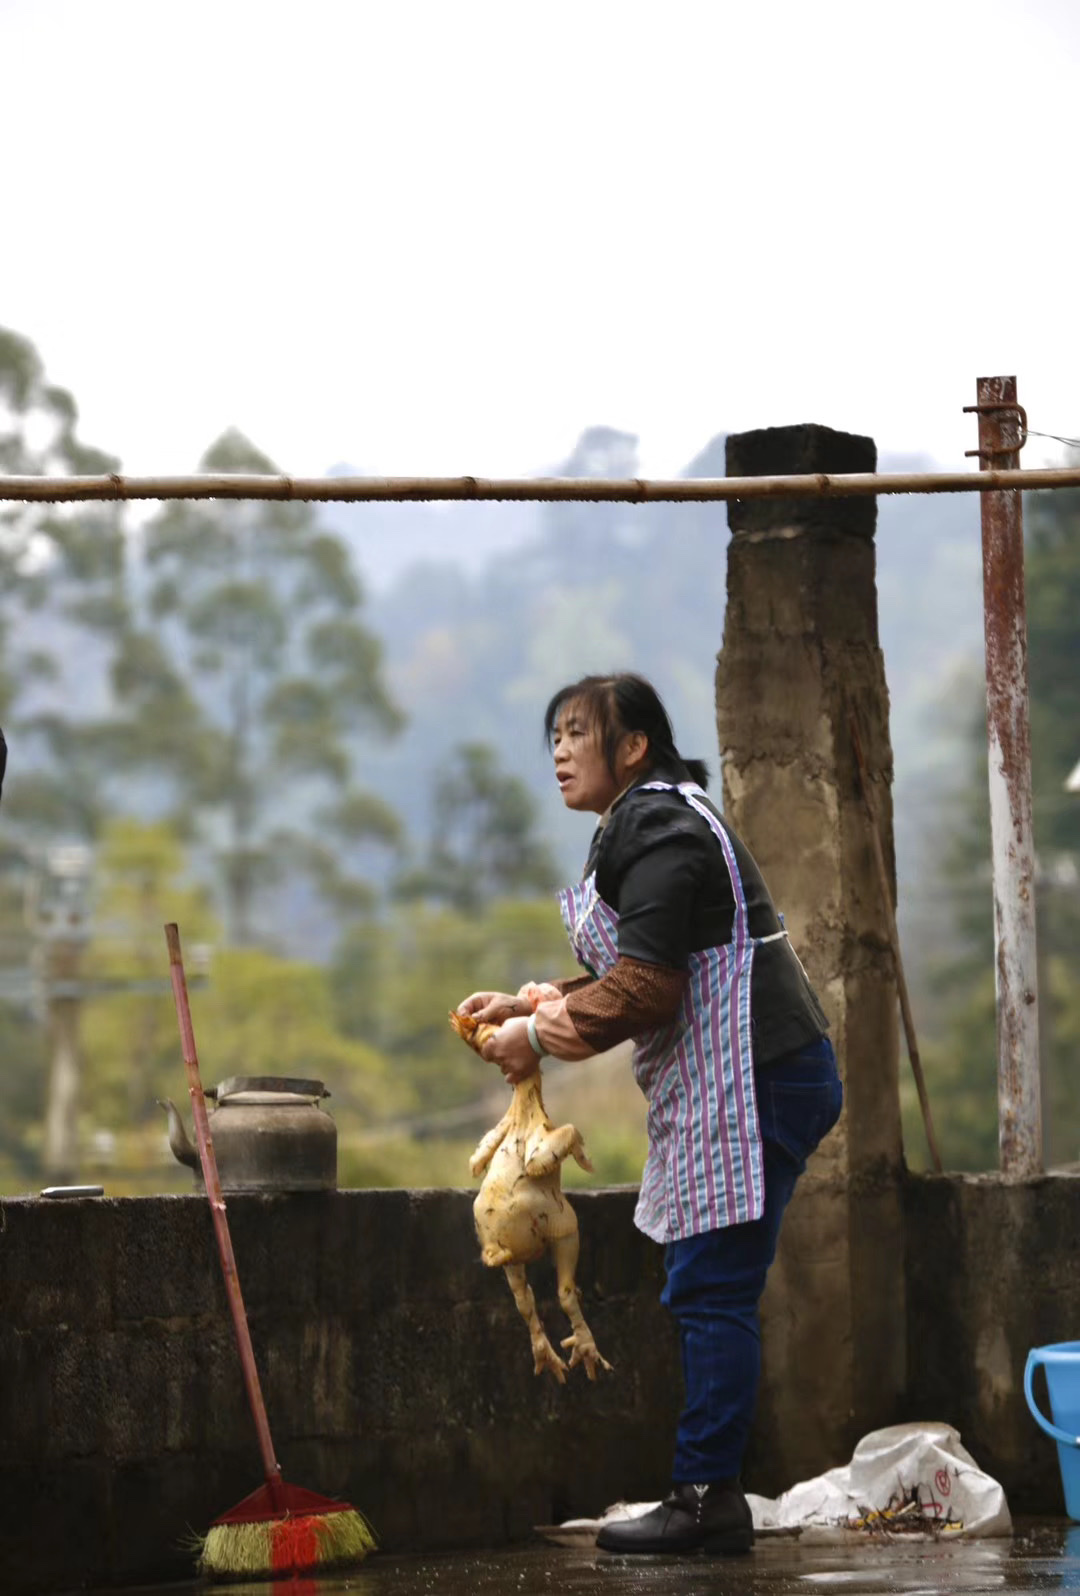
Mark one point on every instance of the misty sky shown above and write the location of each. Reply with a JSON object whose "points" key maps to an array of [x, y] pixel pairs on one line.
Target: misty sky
{"points": [[445, 237]]}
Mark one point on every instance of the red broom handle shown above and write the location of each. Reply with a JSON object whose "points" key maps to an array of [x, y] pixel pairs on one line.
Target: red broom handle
{"points": [[271, 1467]]}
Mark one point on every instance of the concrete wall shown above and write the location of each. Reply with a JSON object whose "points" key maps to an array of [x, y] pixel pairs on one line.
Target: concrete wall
{"points": [[397, 1372], [397, 1375], [993, 1269]]}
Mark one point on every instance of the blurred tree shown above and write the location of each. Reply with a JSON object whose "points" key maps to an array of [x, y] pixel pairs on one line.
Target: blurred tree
{"points": [[63, 604], [396, 980], [602, 587], [484, 843], [1053, 603], [394, 984], [264, 1015], [250, 690], [961, 1074], [129, 1037], [259, 1014], [22, 1039], [1054, 633], [961, 1067]]}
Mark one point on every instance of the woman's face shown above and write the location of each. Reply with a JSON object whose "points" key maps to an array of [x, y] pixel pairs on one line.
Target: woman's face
{"points": [[580, 767]]}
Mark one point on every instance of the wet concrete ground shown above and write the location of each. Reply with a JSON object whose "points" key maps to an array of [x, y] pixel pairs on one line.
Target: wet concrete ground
{"points": [[1041, 1556]]}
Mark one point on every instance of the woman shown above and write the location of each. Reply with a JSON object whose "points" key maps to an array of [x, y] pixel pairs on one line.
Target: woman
{"points": [[683, 951]]}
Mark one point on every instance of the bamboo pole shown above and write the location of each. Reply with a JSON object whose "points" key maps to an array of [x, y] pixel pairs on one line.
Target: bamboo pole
{"points": [[212, 1182], [894, 944], [632, 490]]}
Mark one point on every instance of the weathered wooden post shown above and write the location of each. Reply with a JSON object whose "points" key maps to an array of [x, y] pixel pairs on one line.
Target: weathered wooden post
{"points": [[1008, 727], [800, 656]]}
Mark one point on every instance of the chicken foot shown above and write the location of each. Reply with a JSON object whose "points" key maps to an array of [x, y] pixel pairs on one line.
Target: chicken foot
{"points": [[580, 1344], [544, 1354]]}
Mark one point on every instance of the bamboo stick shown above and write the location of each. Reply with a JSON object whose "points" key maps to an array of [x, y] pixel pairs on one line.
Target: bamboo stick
{"points": [[894, 943], [632, 490], [212, 1182]]}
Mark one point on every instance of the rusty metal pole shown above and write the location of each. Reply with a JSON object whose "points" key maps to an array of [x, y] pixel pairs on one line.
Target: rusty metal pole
{"points": [[1001, 435]]}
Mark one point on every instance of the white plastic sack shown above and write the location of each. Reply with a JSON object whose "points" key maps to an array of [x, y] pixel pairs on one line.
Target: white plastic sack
{"points": [[914, 1480], [911, 1480], [907, 1479]]}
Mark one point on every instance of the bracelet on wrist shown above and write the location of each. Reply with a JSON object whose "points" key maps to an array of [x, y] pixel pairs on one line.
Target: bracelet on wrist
{"points": [[534, 1041]]}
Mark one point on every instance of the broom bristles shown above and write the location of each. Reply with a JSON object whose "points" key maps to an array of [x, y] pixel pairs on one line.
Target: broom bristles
{"points": [[294, 1545]]}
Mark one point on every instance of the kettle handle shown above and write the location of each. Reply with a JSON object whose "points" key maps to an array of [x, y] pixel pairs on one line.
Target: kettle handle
{"points": [[1034, 1358]]}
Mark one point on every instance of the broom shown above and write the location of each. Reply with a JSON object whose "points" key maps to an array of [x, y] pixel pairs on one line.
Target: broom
{"points": [[279, 1529]]}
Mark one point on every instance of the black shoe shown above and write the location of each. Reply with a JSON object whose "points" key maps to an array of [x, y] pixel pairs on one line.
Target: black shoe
{"points": [[711, 1518]]}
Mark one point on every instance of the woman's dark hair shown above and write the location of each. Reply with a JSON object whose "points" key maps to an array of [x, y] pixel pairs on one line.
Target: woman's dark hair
{"points": [[623, 703]]}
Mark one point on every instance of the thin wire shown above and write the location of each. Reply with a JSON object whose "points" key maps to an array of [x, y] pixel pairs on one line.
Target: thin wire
{"points": [[1073, 443]]}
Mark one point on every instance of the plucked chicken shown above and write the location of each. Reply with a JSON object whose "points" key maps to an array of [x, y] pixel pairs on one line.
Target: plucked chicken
{"points": [[520, 1210]]}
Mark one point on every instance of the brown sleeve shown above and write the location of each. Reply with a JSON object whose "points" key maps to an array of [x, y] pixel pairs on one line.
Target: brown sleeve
{"points": [[631, 998], [573, 984]]}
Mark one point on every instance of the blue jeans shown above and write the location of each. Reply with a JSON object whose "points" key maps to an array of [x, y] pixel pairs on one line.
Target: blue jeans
{"points": [[715, 1280]]}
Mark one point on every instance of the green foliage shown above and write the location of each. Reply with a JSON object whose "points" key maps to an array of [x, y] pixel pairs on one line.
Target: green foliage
{"points": [[960, 1068], [264, 1015], [64, 794], [129, 1037], [251, 695], [401, 1160], [396, 979], [485, 842], [62, 602], [22, 1040], [256, 1014], [600, 1097], [600, 586], [1053, 603], [1059, 1014], [21, 1097], [53, 444], [394, 982], [961, 1063], [616, 1152]]}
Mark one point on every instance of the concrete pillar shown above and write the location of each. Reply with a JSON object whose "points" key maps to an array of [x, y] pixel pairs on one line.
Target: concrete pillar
{"points": [[800, 654]]}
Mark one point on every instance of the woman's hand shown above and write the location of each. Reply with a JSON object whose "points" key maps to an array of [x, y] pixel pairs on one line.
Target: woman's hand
{"points": [[535, 992], [512, 1051], [492, 1008]]}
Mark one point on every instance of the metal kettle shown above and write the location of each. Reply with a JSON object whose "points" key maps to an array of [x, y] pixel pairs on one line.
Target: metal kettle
{"points": [[270, 1134]]}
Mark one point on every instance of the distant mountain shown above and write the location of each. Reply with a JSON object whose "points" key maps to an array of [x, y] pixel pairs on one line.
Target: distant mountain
{"points": [[478, 637], [929, 579], [388, 539]]}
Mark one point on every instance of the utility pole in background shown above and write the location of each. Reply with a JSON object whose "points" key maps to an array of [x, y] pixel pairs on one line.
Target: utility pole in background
{"points": [[60, 920], [59, 912]]}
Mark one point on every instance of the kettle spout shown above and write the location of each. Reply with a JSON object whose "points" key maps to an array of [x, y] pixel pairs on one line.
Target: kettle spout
{"points": [[179, 1144]]}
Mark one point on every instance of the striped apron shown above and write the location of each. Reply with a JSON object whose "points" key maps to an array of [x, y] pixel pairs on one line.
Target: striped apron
{"points": [[704, 1165]]}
